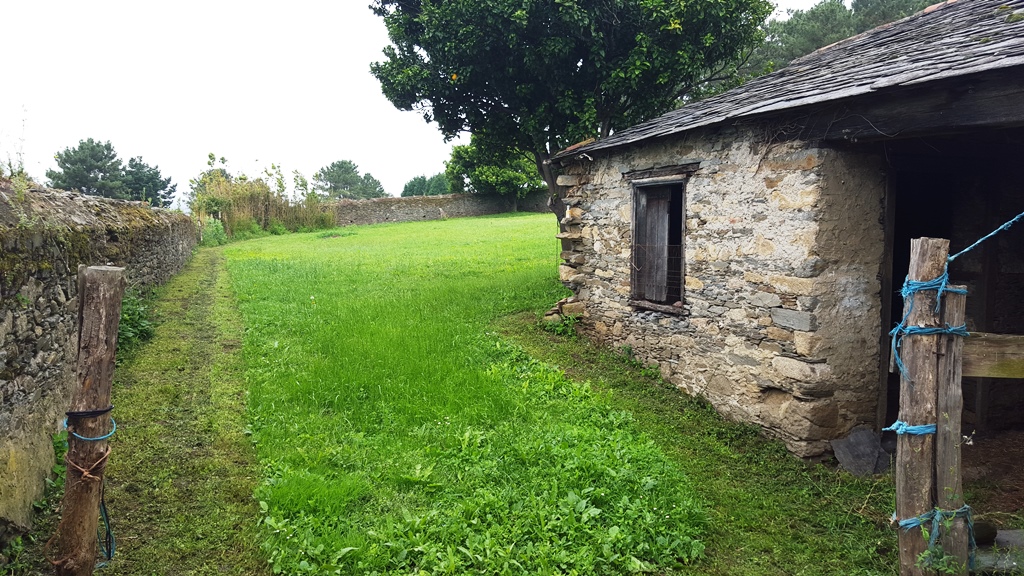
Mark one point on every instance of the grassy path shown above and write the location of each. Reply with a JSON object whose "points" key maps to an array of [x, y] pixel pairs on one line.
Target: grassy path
{"points": [[182, 475]]}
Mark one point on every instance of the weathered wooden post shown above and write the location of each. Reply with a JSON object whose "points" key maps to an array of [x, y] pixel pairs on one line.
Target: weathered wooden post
{"points": [[928, 464], [100, 291]]}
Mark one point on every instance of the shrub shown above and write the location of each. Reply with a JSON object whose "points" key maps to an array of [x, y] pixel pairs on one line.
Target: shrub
{"points": [[213, 232]]}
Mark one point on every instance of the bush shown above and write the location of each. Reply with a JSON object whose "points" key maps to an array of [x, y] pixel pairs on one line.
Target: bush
{"points": [[213, 232], [135, 326]]}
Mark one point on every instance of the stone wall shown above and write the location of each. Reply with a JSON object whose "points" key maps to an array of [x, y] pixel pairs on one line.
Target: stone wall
{"points": [[780, 319], [44, 236], [415, 208]]}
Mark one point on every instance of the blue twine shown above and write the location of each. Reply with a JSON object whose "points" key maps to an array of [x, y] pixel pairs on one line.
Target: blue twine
{"points": [[936, 517], [96, 439], [940, 285], [900, 427], [1006, 225]]}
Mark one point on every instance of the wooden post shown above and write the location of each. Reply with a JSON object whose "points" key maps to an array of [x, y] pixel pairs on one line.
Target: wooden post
{"points": [[928, 465], [100, 290], [950, 494]]}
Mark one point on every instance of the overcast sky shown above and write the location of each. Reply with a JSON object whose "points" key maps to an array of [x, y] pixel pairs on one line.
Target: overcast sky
{"points": [[258, 83]]}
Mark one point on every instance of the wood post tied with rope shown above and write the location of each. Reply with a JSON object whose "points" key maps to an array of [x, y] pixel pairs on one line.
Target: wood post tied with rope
{"points": [[928, 461], [73, 548]]}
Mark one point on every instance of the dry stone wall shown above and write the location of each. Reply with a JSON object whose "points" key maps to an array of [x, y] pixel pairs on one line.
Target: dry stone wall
{"points": [[415, 208], [783, 242], [44, 236]]}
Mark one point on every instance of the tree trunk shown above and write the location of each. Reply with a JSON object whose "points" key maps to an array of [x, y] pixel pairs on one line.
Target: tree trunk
{"points": [[556, 193]]}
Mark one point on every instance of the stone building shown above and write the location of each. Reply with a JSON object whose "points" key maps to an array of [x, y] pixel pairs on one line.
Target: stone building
{"points": [[750, 245]]}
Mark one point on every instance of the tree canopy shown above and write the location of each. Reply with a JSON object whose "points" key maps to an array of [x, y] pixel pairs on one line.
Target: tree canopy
{"points": [[537, 75], [477, 170], [341, 179], [436, 185], [825, 23], [94, 168]]}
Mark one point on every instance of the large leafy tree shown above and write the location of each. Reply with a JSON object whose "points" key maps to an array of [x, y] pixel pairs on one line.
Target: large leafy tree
{"points": [[92, 168], [537, 75], [475, 169], [144, 182], [827, 22]]}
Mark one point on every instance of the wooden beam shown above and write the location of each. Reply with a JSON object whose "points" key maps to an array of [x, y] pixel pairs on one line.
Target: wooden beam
{"points": [[958, 105], [994, 355]]}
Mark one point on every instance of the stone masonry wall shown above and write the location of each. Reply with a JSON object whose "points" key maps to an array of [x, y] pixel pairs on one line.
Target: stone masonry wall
{"points": [[44, 236], [415, 208], [783, 245]]}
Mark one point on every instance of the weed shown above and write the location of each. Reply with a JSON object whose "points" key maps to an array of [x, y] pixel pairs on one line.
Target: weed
{"points": [[564, 326], [135, 326]]}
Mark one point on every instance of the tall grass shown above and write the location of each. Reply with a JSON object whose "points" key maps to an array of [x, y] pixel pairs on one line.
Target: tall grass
{"points": [[398, 437]]}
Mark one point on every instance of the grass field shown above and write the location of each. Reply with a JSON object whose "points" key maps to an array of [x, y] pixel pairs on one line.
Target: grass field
{"points": [[407, 418], [398, 436]]}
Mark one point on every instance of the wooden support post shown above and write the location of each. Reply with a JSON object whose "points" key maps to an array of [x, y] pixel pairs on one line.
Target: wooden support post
{"points": [[928, 465], [950, 494], [100, 291]]}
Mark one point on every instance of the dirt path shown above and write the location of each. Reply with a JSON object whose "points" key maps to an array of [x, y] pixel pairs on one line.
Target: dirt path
{"points": [[181, 476], [181, 473]]}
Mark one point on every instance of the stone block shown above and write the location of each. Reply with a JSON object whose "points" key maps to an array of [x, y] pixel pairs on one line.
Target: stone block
{"points": [[792, 285], [779, 334], [795, 319], [861, 452], [807, 343], [802, 371], [573, 308], [693, 283], [765, 299], [565, 273]]}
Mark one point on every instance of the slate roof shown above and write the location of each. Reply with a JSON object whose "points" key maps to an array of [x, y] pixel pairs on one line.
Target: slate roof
{"points": [[954, 38]]}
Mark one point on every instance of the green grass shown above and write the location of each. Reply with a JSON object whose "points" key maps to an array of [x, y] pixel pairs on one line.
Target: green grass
{"points": [[398, 436], [769, 513]]}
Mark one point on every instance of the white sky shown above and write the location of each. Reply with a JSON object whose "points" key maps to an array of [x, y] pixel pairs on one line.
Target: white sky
{"points": [[255, 82]]}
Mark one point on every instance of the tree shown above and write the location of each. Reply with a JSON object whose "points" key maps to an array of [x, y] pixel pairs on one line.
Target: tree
{"points": [[338, 179], [415, 187], [825, 23], [436, 185], [91, 168], [869, 14], [341, 179], [510, 174], [537, 75], [144, 182], [370, 187]]}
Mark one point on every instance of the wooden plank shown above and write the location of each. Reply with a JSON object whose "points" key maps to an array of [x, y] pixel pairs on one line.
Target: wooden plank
{"points": [[639, 254], [884, 342], [947, 107], [100, 290], [950, 407], [915, 454], [994, 355], [657, 247]]}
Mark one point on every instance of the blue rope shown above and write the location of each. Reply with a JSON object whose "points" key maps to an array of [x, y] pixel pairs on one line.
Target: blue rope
{"points": [[96, 439], [940, 285], [936, 517], [1004, 226], [901, 427], [106, 540]]}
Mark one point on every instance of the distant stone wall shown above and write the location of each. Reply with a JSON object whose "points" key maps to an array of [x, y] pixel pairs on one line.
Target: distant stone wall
{"points": [[416, 208], [44, 236], [779, 320]]}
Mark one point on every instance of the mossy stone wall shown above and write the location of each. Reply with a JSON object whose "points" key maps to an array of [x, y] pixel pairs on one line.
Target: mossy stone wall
{"points": [[44, 236]]}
